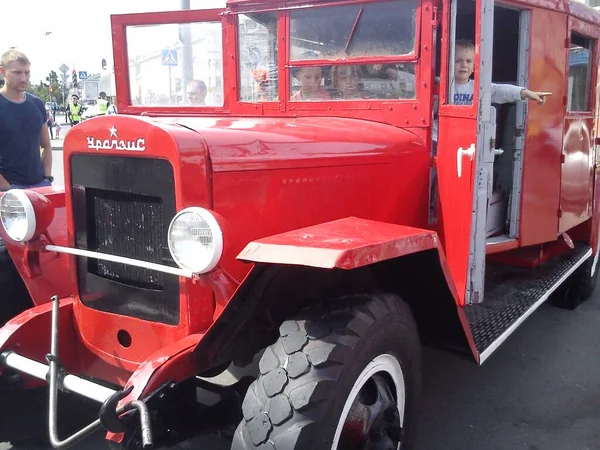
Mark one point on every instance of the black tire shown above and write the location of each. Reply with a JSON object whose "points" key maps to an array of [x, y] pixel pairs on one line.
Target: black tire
{"points": [[307, 375], [14, 298], [586, 282], [578, 288]]}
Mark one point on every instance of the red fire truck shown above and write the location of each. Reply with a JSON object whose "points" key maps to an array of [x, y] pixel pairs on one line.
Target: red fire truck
{"points": [[303, 181]]}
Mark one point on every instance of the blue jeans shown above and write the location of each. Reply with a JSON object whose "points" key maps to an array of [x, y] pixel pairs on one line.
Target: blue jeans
{"points": [[23, 186]]}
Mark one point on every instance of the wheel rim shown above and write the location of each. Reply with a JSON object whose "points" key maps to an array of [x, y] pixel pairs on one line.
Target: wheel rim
{"points": [[373, 414]]}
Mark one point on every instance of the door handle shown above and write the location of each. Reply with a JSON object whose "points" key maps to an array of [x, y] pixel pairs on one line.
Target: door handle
{"points": [[459, 155]]}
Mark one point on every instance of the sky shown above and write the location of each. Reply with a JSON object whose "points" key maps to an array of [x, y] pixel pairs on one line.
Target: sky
{"points": [[60, 32]]}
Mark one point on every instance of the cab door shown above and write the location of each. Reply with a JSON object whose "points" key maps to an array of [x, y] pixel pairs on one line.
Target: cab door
{"points": [[462, 159]]}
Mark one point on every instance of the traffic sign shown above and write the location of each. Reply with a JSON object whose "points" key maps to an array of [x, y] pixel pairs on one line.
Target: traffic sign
{"points": [[83, 75], [64, 68], [169, 57]]}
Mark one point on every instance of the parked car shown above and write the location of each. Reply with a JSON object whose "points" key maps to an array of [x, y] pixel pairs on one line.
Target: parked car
{"points": [[51, 106]]}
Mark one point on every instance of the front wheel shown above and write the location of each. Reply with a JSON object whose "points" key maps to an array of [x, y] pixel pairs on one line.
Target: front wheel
{"points": [[342, 377]]}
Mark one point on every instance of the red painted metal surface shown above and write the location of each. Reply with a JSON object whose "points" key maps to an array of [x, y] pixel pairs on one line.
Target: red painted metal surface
{"points": [[540, 198], [345, 244], [457, 133], [534, 256], [577, 178], [272, 176], [53, 267], [577, 175], [24, 334], [585, 13], [321, 184], [186, 150], [456, 193], [28, 334], [499, 247]]}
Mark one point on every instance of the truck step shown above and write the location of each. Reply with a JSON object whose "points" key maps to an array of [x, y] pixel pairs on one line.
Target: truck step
{"points": [[513, 293]]}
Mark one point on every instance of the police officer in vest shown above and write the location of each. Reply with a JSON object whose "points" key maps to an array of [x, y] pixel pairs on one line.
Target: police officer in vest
{"points": [[74, 110], [102, 104]]}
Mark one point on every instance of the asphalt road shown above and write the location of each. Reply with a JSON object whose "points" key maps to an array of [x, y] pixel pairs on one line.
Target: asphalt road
{"points": [[540, 391]]}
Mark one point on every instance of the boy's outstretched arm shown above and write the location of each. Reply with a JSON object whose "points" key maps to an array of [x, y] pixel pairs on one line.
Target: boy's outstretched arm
{"points": [[539, 97]]}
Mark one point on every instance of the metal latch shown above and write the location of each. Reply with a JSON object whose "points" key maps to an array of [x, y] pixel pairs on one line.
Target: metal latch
{"points": [[470, 152]]}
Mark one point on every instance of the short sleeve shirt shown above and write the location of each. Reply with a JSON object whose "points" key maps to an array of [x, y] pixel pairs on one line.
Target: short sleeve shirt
{"points": [[20, 131]]}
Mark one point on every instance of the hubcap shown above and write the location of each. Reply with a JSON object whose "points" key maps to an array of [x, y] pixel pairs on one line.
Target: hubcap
{"points": [[373, 414]]}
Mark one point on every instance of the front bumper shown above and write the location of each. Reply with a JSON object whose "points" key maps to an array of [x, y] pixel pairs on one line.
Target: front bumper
{"points": [[126, 397], [58, 378]]}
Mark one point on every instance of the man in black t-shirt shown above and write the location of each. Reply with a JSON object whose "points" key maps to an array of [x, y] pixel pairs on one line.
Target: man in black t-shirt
{"points": [[23, 128]]}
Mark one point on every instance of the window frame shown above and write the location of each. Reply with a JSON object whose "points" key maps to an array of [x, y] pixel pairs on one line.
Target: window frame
{"points": [[448, 30], [591, 33], [416, 57], [247, 104], [119, 25]]}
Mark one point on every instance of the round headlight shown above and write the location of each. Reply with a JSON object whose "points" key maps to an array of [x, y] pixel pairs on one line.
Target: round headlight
{"points": [[195, 240], [17, 215]]}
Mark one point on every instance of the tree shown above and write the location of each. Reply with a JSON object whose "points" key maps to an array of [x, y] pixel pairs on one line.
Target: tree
{"points": [[42, 90], [53, 84]]}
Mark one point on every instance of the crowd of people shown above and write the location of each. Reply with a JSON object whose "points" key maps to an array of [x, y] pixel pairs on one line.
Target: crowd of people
{"points": [[74, 113]]}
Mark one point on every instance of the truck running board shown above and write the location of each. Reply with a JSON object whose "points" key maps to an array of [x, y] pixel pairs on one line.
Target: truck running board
{"points": [[512, 294]]}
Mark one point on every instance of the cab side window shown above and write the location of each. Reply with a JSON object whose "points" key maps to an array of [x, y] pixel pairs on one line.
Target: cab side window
{"points": [[257, 42], [580, 73]]}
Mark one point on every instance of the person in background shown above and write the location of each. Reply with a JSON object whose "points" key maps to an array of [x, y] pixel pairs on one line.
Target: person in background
{"points": [[310, 84], [57, 129], [345, 80], [102, 104], [73, 111], [50, 123], [23, 128], [196, 92]]}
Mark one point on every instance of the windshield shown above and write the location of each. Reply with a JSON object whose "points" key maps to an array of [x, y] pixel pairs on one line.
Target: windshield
{"points": [[384, 31], [176, 64], [374, 29]]}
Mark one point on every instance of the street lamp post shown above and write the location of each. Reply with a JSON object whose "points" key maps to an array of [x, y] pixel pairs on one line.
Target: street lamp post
{"points": [[185, 35]]}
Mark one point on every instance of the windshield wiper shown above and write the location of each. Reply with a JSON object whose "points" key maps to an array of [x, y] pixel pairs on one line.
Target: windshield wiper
{"points": [[307, 41], [360, 11]]}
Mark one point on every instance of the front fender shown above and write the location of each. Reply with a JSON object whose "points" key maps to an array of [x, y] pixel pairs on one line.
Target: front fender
{"points": [[302, 264], [347, 243], [55, 268]]}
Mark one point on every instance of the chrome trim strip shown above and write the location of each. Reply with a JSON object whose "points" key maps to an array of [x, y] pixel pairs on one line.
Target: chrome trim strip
{"points": [[488, 351], [120, 259]]}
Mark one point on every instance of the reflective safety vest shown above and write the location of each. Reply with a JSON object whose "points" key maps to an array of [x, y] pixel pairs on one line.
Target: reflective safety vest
{"points": [[75, 112], [102, 106]]}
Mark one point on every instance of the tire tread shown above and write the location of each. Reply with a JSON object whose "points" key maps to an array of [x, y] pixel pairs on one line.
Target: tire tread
{"points": [[325, 336]]}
